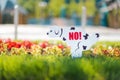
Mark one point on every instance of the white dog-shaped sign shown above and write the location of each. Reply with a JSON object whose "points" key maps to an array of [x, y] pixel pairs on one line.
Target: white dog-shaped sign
{"points": [[75, 37]]}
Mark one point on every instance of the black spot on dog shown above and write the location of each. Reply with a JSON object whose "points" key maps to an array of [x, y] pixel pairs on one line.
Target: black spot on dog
{"points": [[64, 39], [85, 36], [50, 30], [47, 33], [84, 47], [72, 28], [97, 35]]}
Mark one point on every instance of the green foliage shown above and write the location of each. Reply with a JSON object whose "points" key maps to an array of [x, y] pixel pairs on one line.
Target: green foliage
{"points": [[54, 7], [28, 67], [28, 4]]}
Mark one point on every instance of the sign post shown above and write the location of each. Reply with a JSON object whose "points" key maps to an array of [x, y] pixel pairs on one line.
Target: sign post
{"points": [[16, 15], [83, 17]]}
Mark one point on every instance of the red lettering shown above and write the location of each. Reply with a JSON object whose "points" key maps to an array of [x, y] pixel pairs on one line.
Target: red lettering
{"points": [[80, 35], [75, 35], [71, 36]]}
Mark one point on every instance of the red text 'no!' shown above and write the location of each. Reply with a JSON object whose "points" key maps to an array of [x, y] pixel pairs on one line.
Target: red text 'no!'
{"points": [[75, 35]]}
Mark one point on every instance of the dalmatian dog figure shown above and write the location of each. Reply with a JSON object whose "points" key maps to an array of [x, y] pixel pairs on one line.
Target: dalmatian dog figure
{"points": [[81, 42]]}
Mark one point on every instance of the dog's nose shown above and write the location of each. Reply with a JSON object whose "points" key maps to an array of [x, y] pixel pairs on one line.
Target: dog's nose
{"points": [[47, 33]]}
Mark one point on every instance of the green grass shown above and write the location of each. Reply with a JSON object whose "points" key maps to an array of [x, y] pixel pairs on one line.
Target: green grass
{"points": [[59, 68]]}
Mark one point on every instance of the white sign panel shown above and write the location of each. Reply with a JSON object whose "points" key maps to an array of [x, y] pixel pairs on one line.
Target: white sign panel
{"points": [[75, 37]]}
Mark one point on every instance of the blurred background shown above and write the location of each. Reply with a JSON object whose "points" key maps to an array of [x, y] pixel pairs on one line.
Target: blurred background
{"points": [[46, 12], [105, 13]]}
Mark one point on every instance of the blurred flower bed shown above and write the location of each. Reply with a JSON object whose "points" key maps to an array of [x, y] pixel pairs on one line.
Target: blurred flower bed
{"points": [[21, 47], [107, 48], [57, 48]]}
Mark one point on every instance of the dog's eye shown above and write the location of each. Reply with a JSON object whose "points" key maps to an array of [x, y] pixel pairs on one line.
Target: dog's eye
{"points": [[50, 30]]}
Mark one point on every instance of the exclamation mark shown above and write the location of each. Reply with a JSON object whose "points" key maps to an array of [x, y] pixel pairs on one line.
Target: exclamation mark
{"points": [[80, 35]]}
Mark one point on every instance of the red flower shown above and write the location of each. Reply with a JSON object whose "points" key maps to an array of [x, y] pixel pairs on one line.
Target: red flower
{"points": [[18, 45], [105, 52], [61, 46], [1, 40], [27, 44], [10, 45], [44, 44]]}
